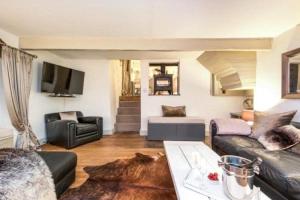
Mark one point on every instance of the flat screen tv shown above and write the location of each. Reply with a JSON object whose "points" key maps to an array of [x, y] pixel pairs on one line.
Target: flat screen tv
{"points": [[61, 81]]}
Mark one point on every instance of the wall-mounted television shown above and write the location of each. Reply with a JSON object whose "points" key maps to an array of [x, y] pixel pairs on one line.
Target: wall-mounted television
{"points": [[61, 81]]}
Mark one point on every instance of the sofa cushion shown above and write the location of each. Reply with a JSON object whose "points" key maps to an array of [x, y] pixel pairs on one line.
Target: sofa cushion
{"points": [[85, 128], [233, 144], [68, 116], [173, 111], [280, 169], [231, 126], [59, 163], [265, 122]]}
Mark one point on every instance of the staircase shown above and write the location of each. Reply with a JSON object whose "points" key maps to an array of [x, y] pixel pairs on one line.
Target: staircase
{"points": [[128, 118]]}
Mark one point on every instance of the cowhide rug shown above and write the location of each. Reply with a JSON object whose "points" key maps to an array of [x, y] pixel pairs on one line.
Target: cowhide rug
{"points": [[140, 178]]}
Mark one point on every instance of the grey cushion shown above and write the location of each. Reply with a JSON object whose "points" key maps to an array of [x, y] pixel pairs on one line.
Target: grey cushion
{"points": [[68, 116], [233, 144], [85, 128]]}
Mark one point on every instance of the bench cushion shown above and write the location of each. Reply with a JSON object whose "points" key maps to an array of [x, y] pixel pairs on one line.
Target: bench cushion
{"points": [[175, 120]]}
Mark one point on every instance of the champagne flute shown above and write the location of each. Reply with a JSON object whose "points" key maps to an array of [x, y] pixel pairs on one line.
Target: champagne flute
{"points": [[199, 164], [202, 167]]}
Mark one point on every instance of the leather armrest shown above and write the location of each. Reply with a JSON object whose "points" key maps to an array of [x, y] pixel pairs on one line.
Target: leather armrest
{"points": [[93, 120], [213, 131], [59, 131]]}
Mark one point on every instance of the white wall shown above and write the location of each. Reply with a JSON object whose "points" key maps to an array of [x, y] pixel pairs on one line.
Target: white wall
{"points": [[9, 38], [41, 103], [268, 75], [95, 100], [115, 70], [194, 94]]}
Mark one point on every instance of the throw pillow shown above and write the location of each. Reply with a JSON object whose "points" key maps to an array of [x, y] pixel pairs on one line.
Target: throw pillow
{"points": [[173, 111], [290, 131], [68, 116], [284, 137], [264, 122]]}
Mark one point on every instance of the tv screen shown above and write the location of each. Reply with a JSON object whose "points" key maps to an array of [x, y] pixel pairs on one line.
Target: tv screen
{"points": [[61, 80]]}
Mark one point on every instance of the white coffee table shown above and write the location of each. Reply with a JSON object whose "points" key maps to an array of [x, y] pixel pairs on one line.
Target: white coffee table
{"points": [[179, 154]]}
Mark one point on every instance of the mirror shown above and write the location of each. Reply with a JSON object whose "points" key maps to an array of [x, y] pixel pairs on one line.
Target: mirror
{"points": [[291, 74], [294, 85], [164, 79]]}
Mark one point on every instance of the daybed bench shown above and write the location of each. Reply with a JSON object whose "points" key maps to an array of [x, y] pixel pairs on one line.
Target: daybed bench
{"points": [[176, 128]]}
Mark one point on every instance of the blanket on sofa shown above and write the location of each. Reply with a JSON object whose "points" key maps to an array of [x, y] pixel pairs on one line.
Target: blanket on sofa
{"points": [[24, 175], [231, 126]]}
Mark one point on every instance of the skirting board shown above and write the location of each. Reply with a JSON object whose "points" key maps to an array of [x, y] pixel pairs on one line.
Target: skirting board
{"points": [[42, 141], [108, 132], [143, 132]]}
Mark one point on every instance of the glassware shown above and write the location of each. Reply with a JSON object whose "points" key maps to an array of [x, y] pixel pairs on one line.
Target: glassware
{"points": [[199, 163], [203, 171]]}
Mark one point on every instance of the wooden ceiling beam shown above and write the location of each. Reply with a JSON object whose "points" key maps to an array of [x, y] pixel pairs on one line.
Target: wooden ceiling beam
{"points": [[179, 44]]}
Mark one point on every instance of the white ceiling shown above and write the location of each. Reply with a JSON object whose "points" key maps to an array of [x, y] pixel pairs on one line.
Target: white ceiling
{"points": [[150, 18]]}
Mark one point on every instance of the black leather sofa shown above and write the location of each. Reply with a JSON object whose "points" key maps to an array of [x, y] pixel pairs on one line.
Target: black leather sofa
{"points": [[279, 174], [62, 166], [69, 133]]}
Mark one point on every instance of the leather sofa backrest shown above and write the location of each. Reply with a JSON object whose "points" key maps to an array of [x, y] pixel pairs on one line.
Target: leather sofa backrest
{"points": [[296, 124], [55, 116]]}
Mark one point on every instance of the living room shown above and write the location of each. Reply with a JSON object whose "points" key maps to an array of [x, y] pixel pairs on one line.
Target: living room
{"points": [[231, 67]]}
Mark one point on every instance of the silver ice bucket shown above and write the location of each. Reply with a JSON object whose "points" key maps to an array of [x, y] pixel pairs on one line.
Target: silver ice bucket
{"points": [[237, 180]]}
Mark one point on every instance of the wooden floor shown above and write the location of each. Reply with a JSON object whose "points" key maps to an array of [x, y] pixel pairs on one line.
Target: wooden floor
{"points": [[109, 148]]}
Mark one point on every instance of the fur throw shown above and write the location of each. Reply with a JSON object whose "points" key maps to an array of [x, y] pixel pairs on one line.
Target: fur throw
{"points": [[140, 178], [284, 137], [24, 176]]}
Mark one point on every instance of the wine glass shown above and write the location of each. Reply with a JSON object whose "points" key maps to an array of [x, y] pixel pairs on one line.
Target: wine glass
{"points": [[202, 167]]}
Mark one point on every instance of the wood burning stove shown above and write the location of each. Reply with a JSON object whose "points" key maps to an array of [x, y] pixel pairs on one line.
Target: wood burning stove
{"points": [[163, 82], [165, 78]]}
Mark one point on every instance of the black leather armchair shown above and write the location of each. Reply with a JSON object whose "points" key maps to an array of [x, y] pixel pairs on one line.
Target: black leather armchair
{"points": [[69, 133]]}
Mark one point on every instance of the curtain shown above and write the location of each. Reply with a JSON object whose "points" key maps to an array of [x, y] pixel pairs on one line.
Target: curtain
{"points": [[17, 75], [126, 82]]}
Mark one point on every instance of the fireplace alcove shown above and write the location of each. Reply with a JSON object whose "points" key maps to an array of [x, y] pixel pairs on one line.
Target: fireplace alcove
{"points": [[164, 79]]}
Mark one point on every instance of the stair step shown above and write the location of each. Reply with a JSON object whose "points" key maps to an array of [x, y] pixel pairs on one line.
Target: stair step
{"points": [[124, 127], [130, 104], [129, 111], [128, 118], [130, 98]]}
